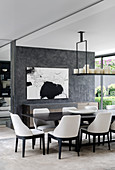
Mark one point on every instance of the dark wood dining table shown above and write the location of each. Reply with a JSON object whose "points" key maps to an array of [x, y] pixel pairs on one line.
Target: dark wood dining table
{"points": [[56, 116]]}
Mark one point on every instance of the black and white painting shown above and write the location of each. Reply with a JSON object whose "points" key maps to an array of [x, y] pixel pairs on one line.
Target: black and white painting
{"points": [[47, 83]]}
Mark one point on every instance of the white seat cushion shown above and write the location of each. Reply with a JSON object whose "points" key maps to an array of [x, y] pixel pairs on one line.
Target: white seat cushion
{"points": [[46, 127], [36, 132]]}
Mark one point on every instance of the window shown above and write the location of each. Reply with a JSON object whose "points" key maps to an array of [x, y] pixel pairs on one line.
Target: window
{"points": [[106, 84]]}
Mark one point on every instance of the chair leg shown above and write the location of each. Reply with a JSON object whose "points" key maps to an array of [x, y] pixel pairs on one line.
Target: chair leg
{"points": [[94, 143], [98, 140], [16, 146], [110, 136], [89, 138], [81, 138], [40, 143], [23, 147], [43, 141], [33, 143], [108, 141], [77, 147], [103, 139], [48, 141], [60, 145], [70, 145]]}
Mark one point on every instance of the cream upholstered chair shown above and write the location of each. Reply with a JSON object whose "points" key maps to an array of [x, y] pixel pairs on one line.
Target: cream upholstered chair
{"points": [[100, 126], [110, 107], [113, 126], [67, 130], [112, 129], [23, 132], [65, 110], [40, 124], [91, 108], [95, 108]]}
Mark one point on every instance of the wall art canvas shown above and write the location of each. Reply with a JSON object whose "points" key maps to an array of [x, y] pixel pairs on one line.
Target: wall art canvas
{"points": [[47, 83]]}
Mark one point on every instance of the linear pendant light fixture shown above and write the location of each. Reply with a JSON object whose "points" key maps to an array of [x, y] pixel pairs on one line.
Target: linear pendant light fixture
{"points": [[78, 70], [85, 70]]}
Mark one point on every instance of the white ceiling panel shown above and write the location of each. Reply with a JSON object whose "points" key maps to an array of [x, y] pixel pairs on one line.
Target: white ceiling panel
{"points": [[20, 17]]}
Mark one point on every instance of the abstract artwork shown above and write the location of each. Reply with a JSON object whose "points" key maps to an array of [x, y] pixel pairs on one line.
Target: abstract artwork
{"points": [[47, 83]]}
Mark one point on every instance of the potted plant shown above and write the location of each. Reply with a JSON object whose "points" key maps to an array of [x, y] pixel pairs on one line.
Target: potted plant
{"points": [[111, 89], [98, 91]]}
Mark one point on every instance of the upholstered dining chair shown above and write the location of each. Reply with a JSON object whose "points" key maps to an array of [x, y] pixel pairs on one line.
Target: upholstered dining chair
{"points": [[67, 130], [41, 124], [24, 133], [112, 129], [110, 107], [100, 126], [94, 108], [65, 110], [91, 108]]}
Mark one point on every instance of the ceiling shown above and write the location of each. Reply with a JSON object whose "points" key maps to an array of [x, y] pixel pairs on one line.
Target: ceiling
{"points": [[55, 23]]}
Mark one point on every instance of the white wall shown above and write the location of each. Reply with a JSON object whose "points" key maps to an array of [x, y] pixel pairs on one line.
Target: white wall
{"points": [[5, 53]]}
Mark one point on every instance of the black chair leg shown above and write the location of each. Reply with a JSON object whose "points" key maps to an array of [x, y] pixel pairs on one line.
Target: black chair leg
{"points": [[81, 138], [40, 143], [110, 136], [33, 143], [89, 138], [70, 145], [94, 137], [98, 140], [23, 147], [43, 141], [103, 139], [60, 145], [108, 141], [48, 141], [77, 147], [16, 146]]}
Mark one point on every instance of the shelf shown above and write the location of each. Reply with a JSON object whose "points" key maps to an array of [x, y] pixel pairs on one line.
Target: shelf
{"points": [[5, 79], [89, 74]]}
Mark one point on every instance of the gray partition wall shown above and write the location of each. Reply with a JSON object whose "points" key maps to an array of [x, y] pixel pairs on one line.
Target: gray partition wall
{"points": [[81, 88]]}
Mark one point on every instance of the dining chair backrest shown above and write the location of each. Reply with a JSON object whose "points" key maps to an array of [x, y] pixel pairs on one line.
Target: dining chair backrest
{"points": [[68, 126], [91, 108], [113, 126], [20, 128], [101, 123], [110, 107], [41, 111], [36, 113], [65, 109]]}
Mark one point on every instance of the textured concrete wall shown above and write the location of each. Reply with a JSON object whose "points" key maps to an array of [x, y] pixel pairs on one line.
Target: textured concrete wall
{"points": [[81, 88]]}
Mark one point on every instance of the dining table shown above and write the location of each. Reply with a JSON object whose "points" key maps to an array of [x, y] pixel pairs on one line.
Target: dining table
{"points": [[86, 115]]}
